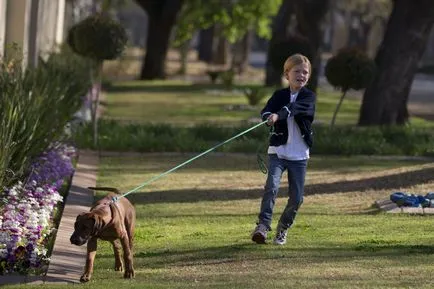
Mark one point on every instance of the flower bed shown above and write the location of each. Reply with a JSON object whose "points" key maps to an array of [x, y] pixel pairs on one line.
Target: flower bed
{"points": [[28, 210]]}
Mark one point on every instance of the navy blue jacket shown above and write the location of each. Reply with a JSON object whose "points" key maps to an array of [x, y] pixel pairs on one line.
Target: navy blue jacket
{"points": [[303, 111]]}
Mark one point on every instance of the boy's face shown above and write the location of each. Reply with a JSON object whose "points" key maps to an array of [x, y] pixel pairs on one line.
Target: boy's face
{"points": [[298, 76]]}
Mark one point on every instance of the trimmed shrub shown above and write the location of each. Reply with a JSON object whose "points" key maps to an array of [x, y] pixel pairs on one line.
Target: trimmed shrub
{"points": [[227, 78], [349, 69], [255, 95], [98, 37]]}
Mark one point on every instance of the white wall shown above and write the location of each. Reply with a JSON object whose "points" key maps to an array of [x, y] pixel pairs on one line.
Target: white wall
{"points": [[3, 6]]}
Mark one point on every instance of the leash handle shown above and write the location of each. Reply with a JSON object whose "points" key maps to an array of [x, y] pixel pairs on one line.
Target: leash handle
{"points": [[192, 159]]}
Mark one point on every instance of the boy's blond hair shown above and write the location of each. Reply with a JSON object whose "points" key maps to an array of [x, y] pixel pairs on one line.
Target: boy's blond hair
{"points": [[296, 59]]}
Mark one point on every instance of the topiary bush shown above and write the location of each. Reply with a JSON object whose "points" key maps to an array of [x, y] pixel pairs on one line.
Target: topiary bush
{"points": [[98, 37], [349, 69]]}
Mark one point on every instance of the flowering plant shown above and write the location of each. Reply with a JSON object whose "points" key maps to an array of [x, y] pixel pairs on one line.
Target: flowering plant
{"points": [[27, 208]]}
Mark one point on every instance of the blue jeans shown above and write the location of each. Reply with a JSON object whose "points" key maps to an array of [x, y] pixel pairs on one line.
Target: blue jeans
{"points": [[296, 176]]}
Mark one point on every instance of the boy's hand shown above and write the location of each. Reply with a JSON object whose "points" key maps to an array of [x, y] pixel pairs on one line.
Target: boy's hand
{"points": [[272, 119]]}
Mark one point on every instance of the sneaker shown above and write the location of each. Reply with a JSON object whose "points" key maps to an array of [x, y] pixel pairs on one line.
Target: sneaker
{"points": [[280, 238], [259, 235]]}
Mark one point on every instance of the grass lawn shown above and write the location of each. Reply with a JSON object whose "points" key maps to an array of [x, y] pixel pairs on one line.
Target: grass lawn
{"points": [[183, 103], [193, 225]]}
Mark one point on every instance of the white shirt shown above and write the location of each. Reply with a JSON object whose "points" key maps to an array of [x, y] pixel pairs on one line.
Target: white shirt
{"points": [[295, 148]]}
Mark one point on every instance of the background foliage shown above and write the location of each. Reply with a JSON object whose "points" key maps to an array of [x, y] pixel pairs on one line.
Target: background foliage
{"points": [[236, 18]]}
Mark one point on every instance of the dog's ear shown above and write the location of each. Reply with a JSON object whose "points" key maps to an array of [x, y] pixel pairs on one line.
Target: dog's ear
{"points": [[80, 215], [87, 222]]}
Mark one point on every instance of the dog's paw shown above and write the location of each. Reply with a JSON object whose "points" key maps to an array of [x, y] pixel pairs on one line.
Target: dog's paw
{"points": [[129, 274], [85, 278]]}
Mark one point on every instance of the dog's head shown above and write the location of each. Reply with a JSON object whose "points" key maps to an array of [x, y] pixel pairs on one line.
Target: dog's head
{"points": [[86, 226]]}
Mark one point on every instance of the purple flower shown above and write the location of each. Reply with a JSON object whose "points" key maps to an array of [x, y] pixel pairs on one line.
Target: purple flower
{"points": [[27, 211]]}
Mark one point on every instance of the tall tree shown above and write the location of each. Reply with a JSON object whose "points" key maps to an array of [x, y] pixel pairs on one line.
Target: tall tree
{"points": [[162, 16], [310, 14], [385, 100], [360, 15], [206, 37], [240, 59], [279, 33], [231, 20]]}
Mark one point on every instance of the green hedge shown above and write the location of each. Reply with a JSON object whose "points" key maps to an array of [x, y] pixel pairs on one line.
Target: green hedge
{"points": [[115, 136]]}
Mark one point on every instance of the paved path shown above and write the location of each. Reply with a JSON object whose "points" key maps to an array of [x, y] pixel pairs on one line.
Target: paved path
{"points": [[67, 261]]}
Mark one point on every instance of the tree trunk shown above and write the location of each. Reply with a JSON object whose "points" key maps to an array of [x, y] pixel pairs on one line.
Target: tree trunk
{"points": [[220, 53], [183, 55], [206, 40], [385, 100], [94, 95], [162, 16], [338, 106], [310, 14], [279, 33], [240, 59]]}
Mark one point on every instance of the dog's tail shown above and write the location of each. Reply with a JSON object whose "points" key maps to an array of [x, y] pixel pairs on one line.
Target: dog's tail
{"points": [[114, 190]]}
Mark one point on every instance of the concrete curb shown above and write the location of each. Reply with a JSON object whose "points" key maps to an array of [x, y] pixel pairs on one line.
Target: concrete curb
{"points": [[67, 261]]}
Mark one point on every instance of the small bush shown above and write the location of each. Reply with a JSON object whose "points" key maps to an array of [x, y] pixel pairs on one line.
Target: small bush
{"points": [[255, 95], [228, 78], [349, 69], [213, 75], [98, 37]]}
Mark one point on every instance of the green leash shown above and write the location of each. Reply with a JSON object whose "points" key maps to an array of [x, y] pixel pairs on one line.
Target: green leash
{"points": [[261, 162], [187, 161]]}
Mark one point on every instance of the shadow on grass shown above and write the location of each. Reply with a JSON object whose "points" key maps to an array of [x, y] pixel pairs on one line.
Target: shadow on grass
{"points": [[391, 182], [395, 181], [253, 252]]}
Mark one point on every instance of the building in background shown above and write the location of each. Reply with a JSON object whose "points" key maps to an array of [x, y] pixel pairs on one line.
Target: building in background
{"points": [[38, 26]]}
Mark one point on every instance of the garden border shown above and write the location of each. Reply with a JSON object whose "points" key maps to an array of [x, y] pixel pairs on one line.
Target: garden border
{"points": [[67, 261]]}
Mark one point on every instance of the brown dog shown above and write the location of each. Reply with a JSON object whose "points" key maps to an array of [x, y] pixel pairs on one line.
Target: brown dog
{"points": [[109, 220]]}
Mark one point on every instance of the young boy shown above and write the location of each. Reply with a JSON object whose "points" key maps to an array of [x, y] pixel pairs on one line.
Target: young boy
{"points": [[290, 112]]}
